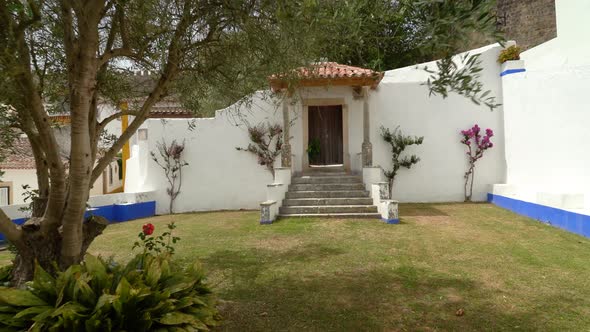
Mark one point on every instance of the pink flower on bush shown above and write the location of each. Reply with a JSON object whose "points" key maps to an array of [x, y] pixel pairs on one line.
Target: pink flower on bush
{"points": [[474, 152]]}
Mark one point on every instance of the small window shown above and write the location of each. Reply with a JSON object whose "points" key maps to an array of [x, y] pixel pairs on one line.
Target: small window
{"points": [[142, 134], [110, 174], [4, 196]]}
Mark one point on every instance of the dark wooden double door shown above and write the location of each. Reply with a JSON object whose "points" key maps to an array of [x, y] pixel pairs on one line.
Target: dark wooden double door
{"points": [[325, 130]]}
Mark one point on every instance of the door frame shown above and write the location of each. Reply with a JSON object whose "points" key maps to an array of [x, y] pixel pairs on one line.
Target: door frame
{"points": [[305, 126]]}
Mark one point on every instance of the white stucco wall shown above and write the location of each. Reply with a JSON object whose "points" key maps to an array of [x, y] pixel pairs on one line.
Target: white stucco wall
{"points": [[19, 177], [219, 177], [403, 100], [547, 112]]}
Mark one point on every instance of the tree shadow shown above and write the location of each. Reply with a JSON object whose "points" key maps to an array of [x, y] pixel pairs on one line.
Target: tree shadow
{"points": [[420, 210], [252, 262], [266, 293]]}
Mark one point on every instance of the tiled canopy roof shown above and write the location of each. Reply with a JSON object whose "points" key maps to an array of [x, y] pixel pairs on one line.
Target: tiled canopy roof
{"points": [[328, 73], [21, 156]]}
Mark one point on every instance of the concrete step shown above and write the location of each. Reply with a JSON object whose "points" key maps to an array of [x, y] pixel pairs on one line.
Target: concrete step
{"points": [[327, 201], [333, 215], [328, 209], [326, 179], [325, 173], [326, 187], [327, 194], [325, 169]]}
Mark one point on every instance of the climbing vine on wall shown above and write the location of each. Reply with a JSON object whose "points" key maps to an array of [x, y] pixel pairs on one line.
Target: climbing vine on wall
{"points": [[398, 142], [266, 143], [170, 159]]}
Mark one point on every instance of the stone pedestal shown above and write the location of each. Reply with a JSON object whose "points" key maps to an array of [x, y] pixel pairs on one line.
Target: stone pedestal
{"points": [[266, 213], [391, 211]]}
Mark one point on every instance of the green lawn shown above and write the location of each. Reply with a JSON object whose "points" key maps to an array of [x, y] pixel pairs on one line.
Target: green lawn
{"points": [[506, 272]]}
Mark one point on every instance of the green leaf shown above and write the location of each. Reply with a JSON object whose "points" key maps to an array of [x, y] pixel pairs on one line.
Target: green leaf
{"points": [[70, 311], [104, 301], [44, 283], [19, 297], [176, 318], [9, 320], [153, 273], [98, 270], [83, 293], [8, 309], [33, 311]]}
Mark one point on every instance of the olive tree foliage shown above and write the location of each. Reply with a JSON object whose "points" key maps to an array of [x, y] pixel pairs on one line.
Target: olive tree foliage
{"points": [[71, 56], [7, 134], [385, 34]]}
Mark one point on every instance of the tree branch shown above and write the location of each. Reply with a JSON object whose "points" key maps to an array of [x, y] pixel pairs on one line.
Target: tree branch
{"points": [[119, 52], [168, 74], [12, 232], [107, 120]]}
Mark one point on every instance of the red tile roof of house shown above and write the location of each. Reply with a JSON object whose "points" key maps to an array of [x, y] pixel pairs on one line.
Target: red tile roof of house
{"points": [[329, 73], [21, 156], [168, 107], [170, 111]]}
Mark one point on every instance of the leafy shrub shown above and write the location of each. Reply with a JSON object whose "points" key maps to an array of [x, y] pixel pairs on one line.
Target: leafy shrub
{"points": [[146, 294], [510, 53], [5, 275], [313, 149], [149, 293]]}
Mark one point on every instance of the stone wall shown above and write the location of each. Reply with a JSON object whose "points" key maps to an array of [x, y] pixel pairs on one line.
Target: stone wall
{"points": [[528, 22]]}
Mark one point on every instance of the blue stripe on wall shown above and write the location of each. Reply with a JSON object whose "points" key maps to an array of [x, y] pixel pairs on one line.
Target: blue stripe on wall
{"points": [[570, 221], [114, 213], [512, 71]]}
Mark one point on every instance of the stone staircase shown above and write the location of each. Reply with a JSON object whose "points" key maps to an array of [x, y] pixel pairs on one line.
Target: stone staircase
{"points": [[328, 192]]}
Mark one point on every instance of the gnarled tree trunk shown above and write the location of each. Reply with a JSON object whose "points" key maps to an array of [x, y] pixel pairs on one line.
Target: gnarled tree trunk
{"points": [[44, 247]]}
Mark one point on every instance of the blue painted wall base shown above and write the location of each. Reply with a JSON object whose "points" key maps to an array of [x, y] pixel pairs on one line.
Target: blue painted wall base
{"points": [[570, 221], [512, 71], [114, 213], [391, 221], [265, 222]]}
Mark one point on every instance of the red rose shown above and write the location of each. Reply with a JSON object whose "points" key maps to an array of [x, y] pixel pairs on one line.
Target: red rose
{"points": [[148, 229]]}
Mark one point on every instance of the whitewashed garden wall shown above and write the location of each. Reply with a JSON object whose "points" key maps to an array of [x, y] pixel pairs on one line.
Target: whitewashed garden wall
{"points": [[219, 177], [547, 111]]}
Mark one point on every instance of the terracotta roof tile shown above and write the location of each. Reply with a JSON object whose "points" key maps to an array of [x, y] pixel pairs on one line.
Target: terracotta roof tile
{"points": [[21, 156], [330, 72], [169, 107]]}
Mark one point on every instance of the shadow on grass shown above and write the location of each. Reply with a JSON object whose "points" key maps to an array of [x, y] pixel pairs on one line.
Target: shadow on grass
{"points": [[268, 291], [248, 264], [420, 210]]}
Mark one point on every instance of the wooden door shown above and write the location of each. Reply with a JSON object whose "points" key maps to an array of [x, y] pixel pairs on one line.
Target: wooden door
{"points": [[325, 128]]}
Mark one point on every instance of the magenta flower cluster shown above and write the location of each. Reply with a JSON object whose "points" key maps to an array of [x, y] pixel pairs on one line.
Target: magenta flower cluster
{"points": [[474, 135], [476, 144]]}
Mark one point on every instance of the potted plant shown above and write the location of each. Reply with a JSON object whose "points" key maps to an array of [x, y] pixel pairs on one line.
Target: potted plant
{"points": [[313, 150], [510, 60]]}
